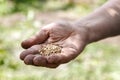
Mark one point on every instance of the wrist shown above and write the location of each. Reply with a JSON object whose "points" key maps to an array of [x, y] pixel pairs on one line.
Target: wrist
{"points": [[92, 26], [82, 30]]}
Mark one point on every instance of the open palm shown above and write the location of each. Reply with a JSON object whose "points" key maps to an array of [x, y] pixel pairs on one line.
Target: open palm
{"points": [[73, 39]]}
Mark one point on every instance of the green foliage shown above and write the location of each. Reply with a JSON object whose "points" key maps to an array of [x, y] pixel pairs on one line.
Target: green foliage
{"points": [[5, 7], [13, 6], [24, 5]]}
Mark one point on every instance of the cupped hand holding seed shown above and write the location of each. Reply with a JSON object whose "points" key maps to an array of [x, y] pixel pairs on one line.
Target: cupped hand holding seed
{"points": [[55, 44]]}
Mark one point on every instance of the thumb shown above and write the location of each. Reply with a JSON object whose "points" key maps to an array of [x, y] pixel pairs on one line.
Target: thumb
{"points": [[37, 39]]}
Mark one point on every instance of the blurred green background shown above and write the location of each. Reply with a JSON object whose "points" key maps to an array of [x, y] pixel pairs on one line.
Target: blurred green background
{"points": [[19, 19]]}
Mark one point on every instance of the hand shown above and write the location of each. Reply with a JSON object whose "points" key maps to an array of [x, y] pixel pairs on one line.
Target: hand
{"points": [[72, 38]]}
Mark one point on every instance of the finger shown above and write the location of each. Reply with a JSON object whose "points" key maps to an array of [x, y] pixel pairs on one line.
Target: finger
{"points": [[40, 61], [29, 59], [37, 39], [33, 50]]}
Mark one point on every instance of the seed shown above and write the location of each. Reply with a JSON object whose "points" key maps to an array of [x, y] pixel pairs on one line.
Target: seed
{"points": [[50, 49]]}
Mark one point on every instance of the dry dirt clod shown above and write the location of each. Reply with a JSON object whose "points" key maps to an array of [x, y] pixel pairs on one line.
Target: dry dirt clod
{"points": [[50, 49]]}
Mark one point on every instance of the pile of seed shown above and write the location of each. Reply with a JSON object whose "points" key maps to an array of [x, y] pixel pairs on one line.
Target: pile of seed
{"points": [[50, 49]]}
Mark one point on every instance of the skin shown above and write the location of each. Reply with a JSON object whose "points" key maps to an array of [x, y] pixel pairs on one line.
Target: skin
{"points": [[73, 37]]}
